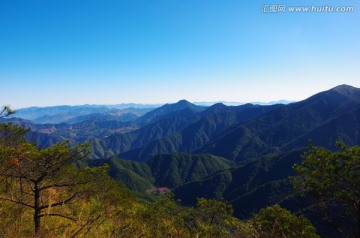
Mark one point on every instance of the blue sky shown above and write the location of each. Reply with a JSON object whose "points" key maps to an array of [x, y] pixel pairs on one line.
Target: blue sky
{"points": [[156, 51]]}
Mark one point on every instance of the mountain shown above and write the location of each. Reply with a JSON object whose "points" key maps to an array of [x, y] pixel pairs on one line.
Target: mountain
{"points": [[242, 103], [108, 134], [62, 112], [243, 154], [75, 114], [172, 170], [267, 147], [166, 170], [153, 125], [122, 106], [45, 135], [116, 143], [103, 117], [239, 133], [248, 187], [212, 122], [136, 176], [124, 115], [182, 107], [331, 113]]}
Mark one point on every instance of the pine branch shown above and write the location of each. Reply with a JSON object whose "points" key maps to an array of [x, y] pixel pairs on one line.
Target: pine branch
{"points": [[59, 203], [17, 202]]}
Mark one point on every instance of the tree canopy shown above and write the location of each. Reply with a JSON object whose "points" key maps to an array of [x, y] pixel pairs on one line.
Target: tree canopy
{"points": [[333, 179], [45, 181]]}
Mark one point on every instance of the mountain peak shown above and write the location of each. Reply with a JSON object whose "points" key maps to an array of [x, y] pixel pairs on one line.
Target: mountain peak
{"points": [[344, 87], [217, 107], [347, 90], [183, 102], [167, 109]]}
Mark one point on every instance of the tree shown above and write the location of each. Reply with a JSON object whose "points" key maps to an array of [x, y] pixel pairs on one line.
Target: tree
{"points": [[45, 181], [333, 180], [11, 134], [210, 218], [275, 221], [6, 111]]}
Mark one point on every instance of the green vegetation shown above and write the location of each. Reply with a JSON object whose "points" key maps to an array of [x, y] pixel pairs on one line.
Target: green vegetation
{"points": [[63, 189], [167, 170], [44, 182], [172, 170], [43, 194], [274, 221], [324, 118], [134, 175], [333, 179], [249, 187]]}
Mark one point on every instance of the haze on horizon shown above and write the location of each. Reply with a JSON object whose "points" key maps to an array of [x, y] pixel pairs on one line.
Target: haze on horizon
{"points": [[74, 52]]}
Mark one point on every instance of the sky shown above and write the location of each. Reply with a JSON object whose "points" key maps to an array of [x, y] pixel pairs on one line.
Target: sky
{"points": [[73, 52]]}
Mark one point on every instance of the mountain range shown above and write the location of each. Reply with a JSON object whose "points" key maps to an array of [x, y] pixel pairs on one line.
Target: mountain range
{"points": [[243, 154]]}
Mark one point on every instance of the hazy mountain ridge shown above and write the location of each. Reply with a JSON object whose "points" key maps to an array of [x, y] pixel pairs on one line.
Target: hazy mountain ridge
{"points": [[73, 114]]}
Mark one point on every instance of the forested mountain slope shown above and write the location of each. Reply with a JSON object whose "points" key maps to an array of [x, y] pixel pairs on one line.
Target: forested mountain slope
{"points": [[325, 118]]}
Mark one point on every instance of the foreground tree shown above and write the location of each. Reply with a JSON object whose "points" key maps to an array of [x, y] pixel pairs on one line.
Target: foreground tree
{"points": [[333, 179], [11, 135], [44, 181], [45, 186], [6, 111], [275, 221]]}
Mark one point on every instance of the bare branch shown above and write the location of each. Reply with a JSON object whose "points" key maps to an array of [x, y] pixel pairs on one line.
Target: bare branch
{"points": [[16, 201], [59, 215], [59, 203], [87, 223], [63, 185]]}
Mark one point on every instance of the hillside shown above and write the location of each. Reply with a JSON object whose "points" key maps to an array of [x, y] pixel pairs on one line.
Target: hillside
{"points": [[248, 187], [166, 170], [170, 110], [172, 170], [291, 126], [211, 123]]}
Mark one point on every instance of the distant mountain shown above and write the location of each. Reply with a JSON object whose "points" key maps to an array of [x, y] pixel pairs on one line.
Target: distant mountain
{"points": [[102, 117], [64, 112], [211, 122], [170, 110], [122, 106], [74, 114], [154, 125], [325, 117], [45, 135], [117, 143], [128, 114], [242, 103]]}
